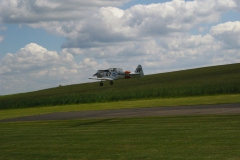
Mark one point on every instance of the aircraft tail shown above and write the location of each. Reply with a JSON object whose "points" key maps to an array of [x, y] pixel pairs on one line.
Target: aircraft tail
{"points": [[139, 70]]}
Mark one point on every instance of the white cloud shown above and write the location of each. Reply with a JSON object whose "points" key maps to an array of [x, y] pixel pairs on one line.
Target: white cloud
{"points": [[238, 4], [22, 11], [111, 25], [34, 67], [32, 57], [228, 34]]}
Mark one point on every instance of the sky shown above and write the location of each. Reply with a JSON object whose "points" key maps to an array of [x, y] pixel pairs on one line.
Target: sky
{"points": [[45, 43]]}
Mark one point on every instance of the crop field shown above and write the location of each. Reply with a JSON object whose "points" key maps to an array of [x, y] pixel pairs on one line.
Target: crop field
{"points": [[198, 137], [218, 80]]}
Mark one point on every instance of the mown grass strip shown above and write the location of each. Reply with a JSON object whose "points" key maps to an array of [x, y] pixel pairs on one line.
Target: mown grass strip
{"points": [[197, 137], [219, 99]]}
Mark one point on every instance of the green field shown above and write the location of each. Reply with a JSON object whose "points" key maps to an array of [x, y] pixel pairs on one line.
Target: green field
{"points": [[218, 80], [172, 137], [198, 137], [162, 102]]}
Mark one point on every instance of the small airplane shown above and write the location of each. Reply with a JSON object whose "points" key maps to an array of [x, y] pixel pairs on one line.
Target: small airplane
{"points": [[117, 73]]}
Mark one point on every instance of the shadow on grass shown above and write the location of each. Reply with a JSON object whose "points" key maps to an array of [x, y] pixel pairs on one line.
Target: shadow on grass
{"points": [[93, 122]]}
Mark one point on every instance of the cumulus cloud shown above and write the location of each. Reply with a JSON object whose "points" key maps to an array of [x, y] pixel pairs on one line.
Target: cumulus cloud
{"points": [[111, 25], [22, 11], [228, 34], [32, 57], [238, 4], [176, 15], [34, 67]]}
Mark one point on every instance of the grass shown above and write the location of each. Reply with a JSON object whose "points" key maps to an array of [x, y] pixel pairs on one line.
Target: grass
{"points": [[185, 101], [199, 137], [175, 137], [218, 80]]}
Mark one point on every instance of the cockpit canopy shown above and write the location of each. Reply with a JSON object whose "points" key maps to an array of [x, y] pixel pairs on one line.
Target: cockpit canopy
{"points": [[118, 70]]}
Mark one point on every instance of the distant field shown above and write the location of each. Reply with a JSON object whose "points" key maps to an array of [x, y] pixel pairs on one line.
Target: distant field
{"points": [[199, 137], [218, 80]]}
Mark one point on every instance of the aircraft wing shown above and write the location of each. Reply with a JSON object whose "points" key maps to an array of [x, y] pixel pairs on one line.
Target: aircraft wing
{"points": [[108, 79]]}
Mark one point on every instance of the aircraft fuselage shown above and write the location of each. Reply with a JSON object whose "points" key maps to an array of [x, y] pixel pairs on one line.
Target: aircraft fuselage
{"points": [[117, 73], [114, 73]]}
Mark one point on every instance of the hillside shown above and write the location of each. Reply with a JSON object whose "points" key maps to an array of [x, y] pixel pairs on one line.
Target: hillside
{"points": [[223, 79]]}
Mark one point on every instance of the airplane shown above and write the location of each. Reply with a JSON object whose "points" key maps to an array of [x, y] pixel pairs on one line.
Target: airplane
{"points": [[117, 73]]}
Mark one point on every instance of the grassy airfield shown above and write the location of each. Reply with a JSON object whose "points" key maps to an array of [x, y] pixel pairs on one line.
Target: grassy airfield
{"points": [[174, 137], [191, 137]]}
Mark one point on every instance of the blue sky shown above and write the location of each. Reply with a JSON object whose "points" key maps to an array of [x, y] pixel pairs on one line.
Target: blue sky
{"points": [[44, 43], [17, 36]]}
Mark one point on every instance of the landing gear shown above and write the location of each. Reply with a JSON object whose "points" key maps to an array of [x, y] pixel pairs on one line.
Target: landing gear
{"points": [[101, 83]]}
